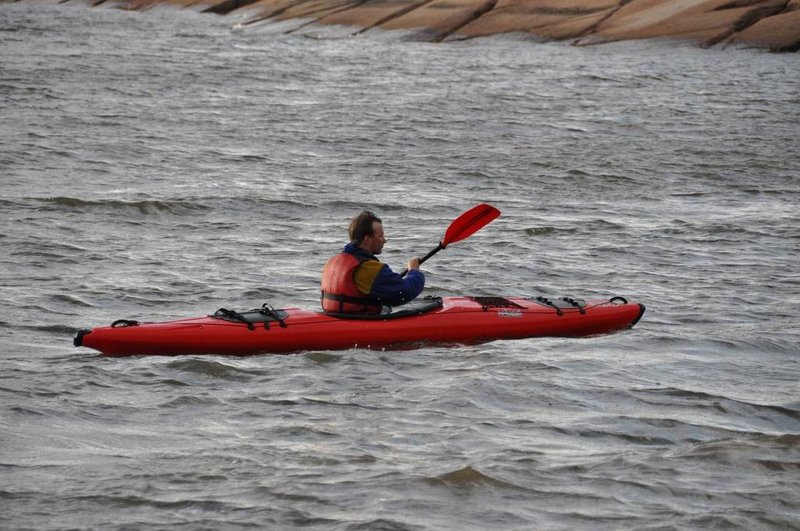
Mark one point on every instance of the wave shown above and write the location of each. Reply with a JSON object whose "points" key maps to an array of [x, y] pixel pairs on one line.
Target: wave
{"points": [[145, 206], [324, 357], [773, 452], [723, 404], [58, 329], [747, 338], [71, 300], [191, 401], [213, 369], [27, 411], [128, 501], [540, 231], [469, 478]]}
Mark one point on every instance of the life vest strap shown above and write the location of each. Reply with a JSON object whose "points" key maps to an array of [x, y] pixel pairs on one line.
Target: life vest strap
{"points": [[346, 299]]}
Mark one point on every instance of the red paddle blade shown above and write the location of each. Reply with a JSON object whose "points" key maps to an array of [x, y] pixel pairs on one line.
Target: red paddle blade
{"points": [[469, 223]]}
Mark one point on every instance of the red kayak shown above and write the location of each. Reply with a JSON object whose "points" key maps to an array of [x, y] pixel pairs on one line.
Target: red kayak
{"points": [[431, 320]]}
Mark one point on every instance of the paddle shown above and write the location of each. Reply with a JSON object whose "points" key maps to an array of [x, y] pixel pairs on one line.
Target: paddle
{"points": [[463, 227]]}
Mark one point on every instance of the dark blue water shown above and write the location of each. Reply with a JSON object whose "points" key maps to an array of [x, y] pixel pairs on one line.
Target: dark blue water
{"points": [[164, 164]]}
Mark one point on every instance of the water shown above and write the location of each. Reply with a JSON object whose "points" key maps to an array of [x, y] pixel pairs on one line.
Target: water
{"points": [[164, 164]]}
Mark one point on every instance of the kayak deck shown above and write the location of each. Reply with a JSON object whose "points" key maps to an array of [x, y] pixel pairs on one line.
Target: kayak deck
{"points": [[431, 320]]}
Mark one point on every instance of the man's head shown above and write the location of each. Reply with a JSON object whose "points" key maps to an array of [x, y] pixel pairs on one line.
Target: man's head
{"points": [[366, 232]]}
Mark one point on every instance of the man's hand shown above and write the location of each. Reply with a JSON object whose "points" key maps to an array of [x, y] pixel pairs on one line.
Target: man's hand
{"points": [[413, 263]]}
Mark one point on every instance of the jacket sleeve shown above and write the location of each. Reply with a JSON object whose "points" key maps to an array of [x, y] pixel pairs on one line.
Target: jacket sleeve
{"points": [[392, 289]]}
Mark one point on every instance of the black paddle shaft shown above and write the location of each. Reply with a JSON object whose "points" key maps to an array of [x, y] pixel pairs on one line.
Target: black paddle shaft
{"points": [[433, 251]]}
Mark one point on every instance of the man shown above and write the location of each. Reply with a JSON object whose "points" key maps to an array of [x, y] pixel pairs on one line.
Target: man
{"points": [[355, 281]]}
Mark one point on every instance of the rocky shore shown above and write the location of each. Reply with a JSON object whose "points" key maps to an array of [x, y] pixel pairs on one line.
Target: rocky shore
{"points": [[770, 24]]}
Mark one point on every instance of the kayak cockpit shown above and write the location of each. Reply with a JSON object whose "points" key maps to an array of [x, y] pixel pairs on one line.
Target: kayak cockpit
{"points": [[415, 307]]}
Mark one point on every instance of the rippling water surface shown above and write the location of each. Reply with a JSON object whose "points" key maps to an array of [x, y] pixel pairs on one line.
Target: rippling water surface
{"points": [[164, 164]]}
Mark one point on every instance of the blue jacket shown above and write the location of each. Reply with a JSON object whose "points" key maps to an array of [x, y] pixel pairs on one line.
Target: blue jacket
{"points": [[383, 284]]}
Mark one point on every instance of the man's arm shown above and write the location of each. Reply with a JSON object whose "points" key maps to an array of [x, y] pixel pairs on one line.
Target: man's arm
{"points": [[392, 289]]}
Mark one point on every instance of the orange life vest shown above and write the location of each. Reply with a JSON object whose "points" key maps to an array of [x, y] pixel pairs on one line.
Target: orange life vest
{"points": [[339, 291]]}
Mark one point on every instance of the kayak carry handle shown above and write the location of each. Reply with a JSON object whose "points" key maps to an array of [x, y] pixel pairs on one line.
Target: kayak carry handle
{"points": [[121, 323]]}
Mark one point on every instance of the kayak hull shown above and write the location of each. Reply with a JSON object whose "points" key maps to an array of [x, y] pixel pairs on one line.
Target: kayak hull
{"points": [[456, 320]]}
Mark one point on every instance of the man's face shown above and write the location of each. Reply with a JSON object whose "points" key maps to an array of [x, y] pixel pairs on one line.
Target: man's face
{"points": [[374, 242]]}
